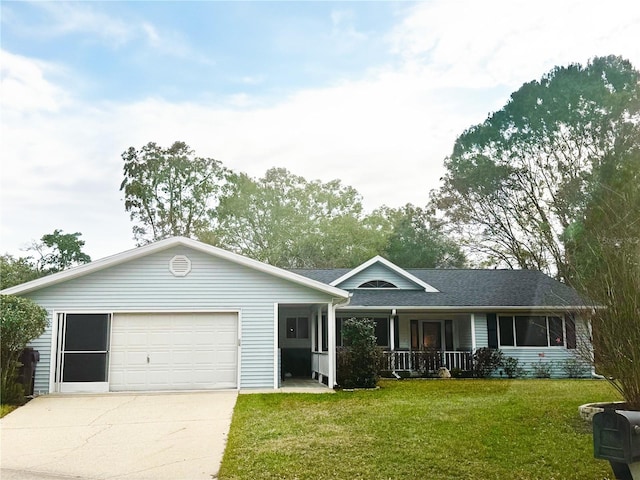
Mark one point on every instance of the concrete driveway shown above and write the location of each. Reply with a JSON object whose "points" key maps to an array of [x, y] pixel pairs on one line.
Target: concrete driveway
{"points": [[132, 436]]}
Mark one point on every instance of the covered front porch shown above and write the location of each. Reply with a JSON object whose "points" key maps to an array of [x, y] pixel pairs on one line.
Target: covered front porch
{"points": [[420, 342], [417, 342]]}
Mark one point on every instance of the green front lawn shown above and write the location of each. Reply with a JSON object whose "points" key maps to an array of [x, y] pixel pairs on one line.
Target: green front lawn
{"points": [[421, 429]]}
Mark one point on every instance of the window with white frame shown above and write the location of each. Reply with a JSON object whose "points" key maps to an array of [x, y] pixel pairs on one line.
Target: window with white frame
{"points": [[531, 331], [297, 327]]}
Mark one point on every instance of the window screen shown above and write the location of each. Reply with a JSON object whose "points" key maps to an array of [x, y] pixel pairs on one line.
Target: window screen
{"points": [[531, 331], [86, 332], [382, 332], [556, 335], [506, 331]]}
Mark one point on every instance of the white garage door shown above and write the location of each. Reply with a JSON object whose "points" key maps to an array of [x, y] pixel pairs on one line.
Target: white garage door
{"points": [[181, 351]]}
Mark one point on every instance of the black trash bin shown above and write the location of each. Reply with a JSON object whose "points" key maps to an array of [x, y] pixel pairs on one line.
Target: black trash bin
{"points": [[27, 372]]}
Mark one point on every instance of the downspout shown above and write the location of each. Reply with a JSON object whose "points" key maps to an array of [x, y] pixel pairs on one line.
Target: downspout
{"points": [[594, 374]]}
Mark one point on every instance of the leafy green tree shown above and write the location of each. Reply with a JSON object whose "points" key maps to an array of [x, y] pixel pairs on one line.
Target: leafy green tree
{"points": [[59, 251], [21, 321], [170, 191], [287, 221], [416, 239], [515, 184], [14, 271]]}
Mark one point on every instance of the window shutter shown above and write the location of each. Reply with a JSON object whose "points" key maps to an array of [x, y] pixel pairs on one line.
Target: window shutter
{"points": [[325, 334], [570, 324], [492, 330]]}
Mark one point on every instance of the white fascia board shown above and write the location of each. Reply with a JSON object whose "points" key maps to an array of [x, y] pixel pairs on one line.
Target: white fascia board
{"points": [[391, 266], [163, 245]]}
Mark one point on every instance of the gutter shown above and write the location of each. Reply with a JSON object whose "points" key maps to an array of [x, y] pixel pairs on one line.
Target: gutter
{"points": [[342, 302]]}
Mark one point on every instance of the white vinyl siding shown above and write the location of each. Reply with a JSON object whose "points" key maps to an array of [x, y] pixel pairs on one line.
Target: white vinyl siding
{"points": [[378, 272], [43, 345], [482, 336], [146, 285]]}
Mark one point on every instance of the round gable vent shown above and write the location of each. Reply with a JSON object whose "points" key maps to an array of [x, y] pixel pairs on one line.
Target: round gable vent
{"points": [[180, 266]]}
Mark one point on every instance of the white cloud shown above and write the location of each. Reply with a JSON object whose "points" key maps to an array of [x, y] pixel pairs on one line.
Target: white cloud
{"points": [[252, 79], [171, 43], [151, 33], [24, 86], [479, 44], [67, 18], [89, 20], [344, 27]]}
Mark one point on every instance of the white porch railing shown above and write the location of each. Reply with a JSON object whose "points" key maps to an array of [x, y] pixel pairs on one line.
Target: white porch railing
{"points": [[427, 361], [320, 363]]}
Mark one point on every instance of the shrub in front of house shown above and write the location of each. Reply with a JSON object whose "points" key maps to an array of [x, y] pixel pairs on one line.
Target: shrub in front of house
{"points": [[359, 362], [541, 369], [574, 368], [512, 368], [486, 361], [21, 320]]}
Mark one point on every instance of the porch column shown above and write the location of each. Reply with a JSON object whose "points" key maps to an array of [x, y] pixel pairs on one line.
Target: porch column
{"points": [[392, 341], [331, 328], [319, 329], [473, 332], [392, 332], [276, 347], [313, 327]]}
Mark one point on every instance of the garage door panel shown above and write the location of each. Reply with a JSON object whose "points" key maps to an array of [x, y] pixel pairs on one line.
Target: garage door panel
{"points": [[226, 358], [159, 358], [185, 358], [226, 338], [173, 351], [163, 338], [206, 339]]}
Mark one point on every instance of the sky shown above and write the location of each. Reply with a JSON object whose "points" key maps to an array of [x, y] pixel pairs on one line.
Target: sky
{"points": [[371, 93]]}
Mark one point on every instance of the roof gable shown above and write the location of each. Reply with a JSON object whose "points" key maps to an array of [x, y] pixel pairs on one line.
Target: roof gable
{"points": [[161, 245], [379, 268]]}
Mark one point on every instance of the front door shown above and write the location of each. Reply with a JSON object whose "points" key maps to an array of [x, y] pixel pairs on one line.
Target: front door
{"points": [[431, 335]]}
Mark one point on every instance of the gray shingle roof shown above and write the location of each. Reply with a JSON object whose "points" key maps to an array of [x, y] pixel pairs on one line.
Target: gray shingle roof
{"points": [[465, 288]]}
